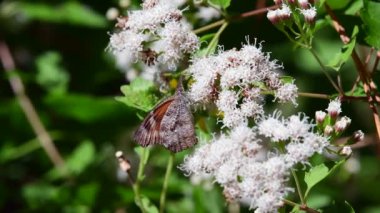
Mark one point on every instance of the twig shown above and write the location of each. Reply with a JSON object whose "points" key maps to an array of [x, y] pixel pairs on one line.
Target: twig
{"points": [[303, 207], [234, 18], [28, 108]]}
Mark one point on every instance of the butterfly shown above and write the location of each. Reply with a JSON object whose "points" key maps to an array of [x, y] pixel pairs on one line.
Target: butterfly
{"points": [[170, 124]]}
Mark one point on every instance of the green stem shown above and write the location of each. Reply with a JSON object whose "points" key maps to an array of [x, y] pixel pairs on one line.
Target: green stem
{"points": [[314, 95], [290, 203], [210, 26], [298, 186], [140, 177], [325, 71], [166, 182], [216, 38]]}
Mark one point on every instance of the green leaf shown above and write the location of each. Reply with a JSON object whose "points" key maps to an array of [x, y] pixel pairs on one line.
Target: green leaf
{"points": [[349, 206], [148, 205], [205, 41], [317, 174], [337, 4], [222, 3], [139, 94], [39, 194], [84, 108], [81, 158], [70, 12], [345, 53], [51, 75], [87, 193], [286, 79], [370, 16], [354, 8]]}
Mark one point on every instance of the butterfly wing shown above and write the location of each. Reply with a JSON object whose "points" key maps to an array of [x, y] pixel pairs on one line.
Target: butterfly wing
{"points": [[177, 126], [148, 132]]}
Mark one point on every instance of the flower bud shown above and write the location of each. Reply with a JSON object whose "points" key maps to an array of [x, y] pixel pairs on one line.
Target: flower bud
{"points": [[112, 13], [328, 130], [342, 124], [304, 4], [320, 117], [273, 16], [346, 150], [285, 12], [358, 136], [309, 15], [334, 108]]}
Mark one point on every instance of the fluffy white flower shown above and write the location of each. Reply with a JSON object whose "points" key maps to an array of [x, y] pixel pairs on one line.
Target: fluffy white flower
{"points": [[157, 34], [234, 80], [334, 108]]}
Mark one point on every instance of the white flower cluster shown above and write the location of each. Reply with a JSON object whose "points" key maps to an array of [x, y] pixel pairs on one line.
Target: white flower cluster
{"points": [[234, 80], [157, 34], [246, 168]]}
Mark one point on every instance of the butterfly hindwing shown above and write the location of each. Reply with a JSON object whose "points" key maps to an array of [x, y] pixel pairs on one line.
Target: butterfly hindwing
{"points": [[177, 126]]}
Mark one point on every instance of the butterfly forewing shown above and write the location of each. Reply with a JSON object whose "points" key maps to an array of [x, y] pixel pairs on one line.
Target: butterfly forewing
{"points": [[170, 124], [148, 132]]}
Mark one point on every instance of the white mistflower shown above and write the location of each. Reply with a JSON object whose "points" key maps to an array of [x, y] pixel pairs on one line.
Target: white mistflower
{"points": [[234, 81], [206, 14], [309, 14], [155, 35]]}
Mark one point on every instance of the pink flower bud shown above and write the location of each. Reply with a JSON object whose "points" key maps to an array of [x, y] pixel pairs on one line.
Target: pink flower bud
{"points": [[342, 124], [320, 117], [358, 136], [309, 15], [273, 16], [334, 108], [304, 4], [346, 150]]}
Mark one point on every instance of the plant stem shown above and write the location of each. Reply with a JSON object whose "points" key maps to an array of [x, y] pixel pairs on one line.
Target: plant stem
{"points": [[140, 177], [216, 38], [29, 110], [298, 187], [166, 182], [339, 90], [210, 26], [237, 17]]}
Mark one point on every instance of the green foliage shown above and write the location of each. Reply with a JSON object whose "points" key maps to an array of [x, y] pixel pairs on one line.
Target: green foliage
{"points": [[139, 94], [221, 3], [69, 12], [50, 75], [317, 174], [370, 16], [345, 53]]}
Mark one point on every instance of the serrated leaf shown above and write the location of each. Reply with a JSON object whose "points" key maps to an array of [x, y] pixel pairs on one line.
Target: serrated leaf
{"points": [[370, 16], [345, 53], [222, 3], [139, 94], [317, 174], [50, 74]]}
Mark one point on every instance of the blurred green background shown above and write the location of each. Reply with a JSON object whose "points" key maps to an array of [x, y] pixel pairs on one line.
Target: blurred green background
{"points": [[60, 52]]}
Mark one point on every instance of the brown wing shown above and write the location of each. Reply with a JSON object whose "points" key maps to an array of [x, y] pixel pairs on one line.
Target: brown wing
{"points": [[148, 132], [177, 126]]}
